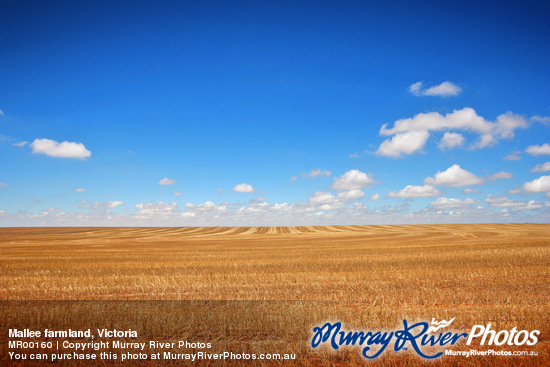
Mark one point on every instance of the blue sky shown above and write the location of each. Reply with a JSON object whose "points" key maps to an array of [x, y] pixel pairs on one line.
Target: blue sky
{"points": [[274, 113]]}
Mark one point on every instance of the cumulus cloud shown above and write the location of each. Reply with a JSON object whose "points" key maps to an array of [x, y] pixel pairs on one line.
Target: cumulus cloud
{"points": [[451, 203], [106, 205], [318, 172], [321, 197], [410, 134], [444, 89], [469, 191], [64, 149], [80, 189], [375, 196], [167, 181], [545, 120], [352, 194], [20, 144], [501, 201], [535, 150], [177, 193], [403, 143], [500, 175], [450, 141], [454, 176], [541, 184], [293, 178], [544, 167], [514, 156], [152, 209], [352, 180], [411, 191], [244, 187]]}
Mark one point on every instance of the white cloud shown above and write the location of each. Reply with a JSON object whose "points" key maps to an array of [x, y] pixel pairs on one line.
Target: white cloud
{"points": [[403, 143], [375, 196], [152, 209], [64, 149], [535, 150], [451, 203], [410, 134], [80, 189], [514, 191], [544, 167], [107, 205], [20, 144], [1, 113], [293, 178], [318, 172], [451, 140], [351, 194], [469, 191], [411, 191], [501, 201], [321, 197], [541, 184], [500, 175], [514, 156], [352, 180], [444, 89], [545, 120], [454, 176], [177, 193], [4, 184], [244, 187], [167, 181]]}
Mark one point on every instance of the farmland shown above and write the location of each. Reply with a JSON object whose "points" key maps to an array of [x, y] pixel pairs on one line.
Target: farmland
{"points": [[285, 280]]}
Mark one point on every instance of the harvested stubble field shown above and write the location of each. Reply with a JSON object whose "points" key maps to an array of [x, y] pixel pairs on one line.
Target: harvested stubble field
{"points": [[282, 281]]}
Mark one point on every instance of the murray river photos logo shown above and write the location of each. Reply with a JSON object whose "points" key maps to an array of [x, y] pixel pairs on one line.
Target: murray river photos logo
{"points": [[417, 336]]}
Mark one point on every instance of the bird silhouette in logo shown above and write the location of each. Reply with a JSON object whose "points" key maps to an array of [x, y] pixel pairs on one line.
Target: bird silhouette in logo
{"points": [[439, 325]]}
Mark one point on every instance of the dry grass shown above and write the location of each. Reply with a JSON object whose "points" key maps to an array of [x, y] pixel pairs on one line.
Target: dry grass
{"points": [[366, 276]]}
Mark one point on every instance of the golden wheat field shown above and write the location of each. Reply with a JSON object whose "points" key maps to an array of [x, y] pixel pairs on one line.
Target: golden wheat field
{"points": [[264, 288]]}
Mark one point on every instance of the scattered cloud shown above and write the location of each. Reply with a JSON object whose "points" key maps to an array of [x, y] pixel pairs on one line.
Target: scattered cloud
{"points": [[374, 197], [470, 191], [543, 167], [541, 184], [352, 180], [106, 205], [64, 149], [4, 184], [500, 175], [514, 156], [244, 187], [177, 193], [351, 194], [501, 201], [545, 120], [20, 144], [167, 181], [318, 172], [152, 209], [454, 176], [451, 203], [220, 190], [293, 178], [321, 197], [535, 150], [80, 189], [444, 89], [403, 143], [411, 191], [450, 141], [1, 113], [354, 155], [410, 135]]}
